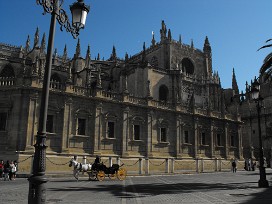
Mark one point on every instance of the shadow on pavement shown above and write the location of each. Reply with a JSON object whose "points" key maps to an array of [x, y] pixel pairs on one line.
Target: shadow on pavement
{"points": [[145, 190]]}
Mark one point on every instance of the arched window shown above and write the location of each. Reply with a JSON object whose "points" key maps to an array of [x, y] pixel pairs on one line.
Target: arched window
{"points": [[187, 66], [163, 93], [7, 72]]}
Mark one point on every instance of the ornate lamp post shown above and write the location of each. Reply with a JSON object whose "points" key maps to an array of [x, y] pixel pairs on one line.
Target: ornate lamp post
{"points": [[255, 94], [37, 190]]}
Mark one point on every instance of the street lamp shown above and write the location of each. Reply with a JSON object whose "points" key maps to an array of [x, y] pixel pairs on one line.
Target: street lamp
{"points": [[37, 190], [255, 94]]}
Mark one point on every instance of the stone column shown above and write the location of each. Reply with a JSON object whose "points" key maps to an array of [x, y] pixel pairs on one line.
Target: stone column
{"points": [[226, 141], [212, 139], [32, 117], [149, 135], [125, 135], [196, 130], [67, 125], [240, 148], [179, 137], [98, 129]]}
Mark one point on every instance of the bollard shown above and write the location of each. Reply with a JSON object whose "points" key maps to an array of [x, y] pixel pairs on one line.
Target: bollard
{"points": [[202, 165], [215, 164], [167, 165], [220, 164], [84, 160], [197, 165], [110, 161], [173, 166], [140, 166], [118, 160], [146, 166]]}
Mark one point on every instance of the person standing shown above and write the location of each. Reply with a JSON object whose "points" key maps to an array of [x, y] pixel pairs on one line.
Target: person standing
{"points": [[234, 166], [12, 171], [6, 170], [1, 168]]}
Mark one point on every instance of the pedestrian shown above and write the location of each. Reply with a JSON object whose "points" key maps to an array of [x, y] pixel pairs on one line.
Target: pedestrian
{"points": [[234, 168], [253, 166], [1, 168], [12, 171], [6, 171]]}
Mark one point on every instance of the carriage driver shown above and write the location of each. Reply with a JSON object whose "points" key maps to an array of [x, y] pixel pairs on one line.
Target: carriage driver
{"points": [[97, 160]]}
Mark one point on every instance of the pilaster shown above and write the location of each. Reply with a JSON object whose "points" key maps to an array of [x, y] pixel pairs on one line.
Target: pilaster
{"points": [[196, 130], [212, 139], [67, 125], [149, 134], [226, 140], [125, 135], [98, 129]]}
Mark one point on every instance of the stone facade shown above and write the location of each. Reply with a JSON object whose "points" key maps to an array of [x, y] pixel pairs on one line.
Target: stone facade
{"points": [[164, 102]]}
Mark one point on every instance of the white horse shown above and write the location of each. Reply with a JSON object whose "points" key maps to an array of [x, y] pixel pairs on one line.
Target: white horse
{"points": [[79, 167]]}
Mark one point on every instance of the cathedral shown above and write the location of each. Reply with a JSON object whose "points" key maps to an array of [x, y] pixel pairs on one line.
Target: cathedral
{"points": [[165, 101]]}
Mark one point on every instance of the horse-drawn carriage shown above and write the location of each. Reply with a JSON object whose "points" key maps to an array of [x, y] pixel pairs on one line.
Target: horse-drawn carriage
{"points": [[98, 171]]}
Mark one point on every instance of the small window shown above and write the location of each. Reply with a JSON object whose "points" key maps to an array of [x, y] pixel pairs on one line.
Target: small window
{"points": [[110, 129], [186, 136], [81, 126], [218, 139], [49, 123], [136, 131], [253, 131], [163, 134], [203, 138], [3, 121]]}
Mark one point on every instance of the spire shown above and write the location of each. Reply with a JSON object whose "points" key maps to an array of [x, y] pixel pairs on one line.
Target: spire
{"points": [[180, 41], [27, 46], [64, 56], [113, 54], [163, 31], [169, 35], [153, 42], [36, 38], [77, 54], [126, 57], [98, 57], [208, 55], [207, 48], [192, 43], [88, 55], [143, 55], [43, 45], [234, 83]]}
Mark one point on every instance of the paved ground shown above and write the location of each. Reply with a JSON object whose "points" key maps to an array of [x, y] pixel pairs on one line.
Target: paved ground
{"points": [[223, 187]]}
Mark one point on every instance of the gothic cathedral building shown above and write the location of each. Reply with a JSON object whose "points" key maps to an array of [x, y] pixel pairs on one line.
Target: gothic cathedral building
{"points": [[165, 101]]}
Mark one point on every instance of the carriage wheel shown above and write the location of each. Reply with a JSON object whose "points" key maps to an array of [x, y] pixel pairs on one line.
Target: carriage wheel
{"points": [[112, 176], [121, 174], [100, 175], [92, 175]]}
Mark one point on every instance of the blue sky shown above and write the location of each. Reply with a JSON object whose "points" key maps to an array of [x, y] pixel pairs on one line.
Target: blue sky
{"points": [[236, 29]]}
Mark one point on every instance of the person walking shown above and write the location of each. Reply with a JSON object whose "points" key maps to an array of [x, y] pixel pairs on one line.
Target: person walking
{"points": [[234, 166]]}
